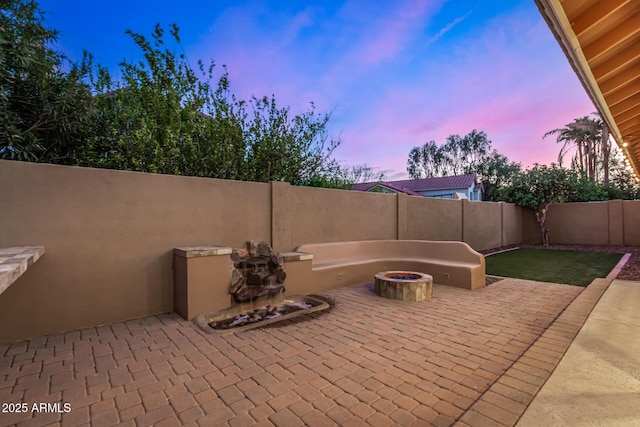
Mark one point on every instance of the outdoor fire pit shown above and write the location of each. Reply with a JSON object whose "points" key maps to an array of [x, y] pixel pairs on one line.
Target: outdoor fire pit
{"points": [[404, 285]]}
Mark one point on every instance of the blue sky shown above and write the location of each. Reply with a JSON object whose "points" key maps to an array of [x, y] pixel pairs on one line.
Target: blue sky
{"points": [[393, 74]]}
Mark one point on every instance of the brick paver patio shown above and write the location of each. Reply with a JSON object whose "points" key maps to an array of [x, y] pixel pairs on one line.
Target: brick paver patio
{"points": [[465, 357]]}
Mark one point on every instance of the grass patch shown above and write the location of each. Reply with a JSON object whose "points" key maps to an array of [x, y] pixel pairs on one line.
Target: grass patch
{"points": [[546, 265]]}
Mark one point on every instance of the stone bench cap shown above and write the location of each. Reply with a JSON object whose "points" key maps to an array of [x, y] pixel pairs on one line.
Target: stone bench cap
{"points": [[15, 261], [344, 252], [201, 251], [296, 256]]}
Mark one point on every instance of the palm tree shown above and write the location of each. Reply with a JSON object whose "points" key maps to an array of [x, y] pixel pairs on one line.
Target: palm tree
{"points": [[591, 138]]}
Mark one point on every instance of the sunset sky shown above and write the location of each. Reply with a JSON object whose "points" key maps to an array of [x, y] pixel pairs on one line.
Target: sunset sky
{"points": [[393, 74]]}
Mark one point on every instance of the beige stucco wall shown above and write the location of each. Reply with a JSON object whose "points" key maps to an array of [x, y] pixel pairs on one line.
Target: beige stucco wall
{"points": [[109, 239], [631, 226], [579, 223], [530, 228], [320, 215], [512, 224], [109, 235], [482, 224], [433, 219], [615, 222]]}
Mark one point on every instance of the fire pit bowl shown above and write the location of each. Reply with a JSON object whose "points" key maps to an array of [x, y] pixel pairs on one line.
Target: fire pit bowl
{"points": [[404, 285], [242, 318]]}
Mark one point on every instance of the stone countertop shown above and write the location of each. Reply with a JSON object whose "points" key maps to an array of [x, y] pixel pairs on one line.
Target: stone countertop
{"points": [[200, 251], [295, 256], [204, 251], [15, 261]]}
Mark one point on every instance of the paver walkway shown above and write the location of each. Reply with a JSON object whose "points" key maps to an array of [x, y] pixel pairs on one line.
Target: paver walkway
{"points": [[368, 361], [597, 383]]}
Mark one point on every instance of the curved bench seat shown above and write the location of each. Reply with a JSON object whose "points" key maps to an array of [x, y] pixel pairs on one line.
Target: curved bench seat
{"points": [[346, 263], [332, 264]]}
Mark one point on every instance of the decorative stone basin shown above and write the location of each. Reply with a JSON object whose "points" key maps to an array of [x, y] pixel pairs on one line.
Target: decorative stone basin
{"points": [[404, 285], [249, 316]]}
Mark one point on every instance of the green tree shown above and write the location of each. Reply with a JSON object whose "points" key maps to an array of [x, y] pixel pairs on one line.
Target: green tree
{"points": [[463, 155], [363, 173], [166, 117], [495, 171], [596, 159], [457, 156], [426, 161], [343, 177], [623, 182], [590, 137], [44, 110], [287, 149], [540, 186], [162, 117]]}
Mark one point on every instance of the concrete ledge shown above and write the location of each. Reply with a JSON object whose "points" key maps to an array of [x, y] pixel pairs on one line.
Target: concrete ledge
{"points": [[295, 256], [616, 270], [15, 261], [199, 251], [597, 380]]}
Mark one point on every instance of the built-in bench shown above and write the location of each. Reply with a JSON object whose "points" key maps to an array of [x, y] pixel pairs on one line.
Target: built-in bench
{"points": [[15, 261], [202, 274], [346, 263]]}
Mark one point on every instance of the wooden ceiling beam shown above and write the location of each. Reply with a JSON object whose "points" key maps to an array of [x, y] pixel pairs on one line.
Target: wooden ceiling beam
{"points": [[627, 31], [616, 63], [625, 76], [624, 92], [622, 118], [595, 14], [632, 103], [576, 7], [631, 127]]}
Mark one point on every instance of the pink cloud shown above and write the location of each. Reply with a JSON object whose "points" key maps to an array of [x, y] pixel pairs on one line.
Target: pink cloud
{"points": [[392, 34], [504, 92], [515, 122], [444, 30], [392, 91], [299, 22]]}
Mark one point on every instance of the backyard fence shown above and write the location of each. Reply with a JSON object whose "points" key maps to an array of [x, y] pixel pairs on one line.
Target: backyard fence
{"points": [[109, 235]]}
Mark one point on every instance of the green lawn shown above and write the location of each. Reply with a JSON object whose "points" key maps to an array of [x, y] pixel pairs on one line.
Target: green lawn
{"points": [[545, 265]]}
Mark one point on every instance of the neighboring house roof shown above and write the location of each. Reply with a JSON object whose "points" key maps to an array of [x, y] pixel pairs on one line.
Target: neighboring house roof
{"points": [[369, 185], [413, 186]]}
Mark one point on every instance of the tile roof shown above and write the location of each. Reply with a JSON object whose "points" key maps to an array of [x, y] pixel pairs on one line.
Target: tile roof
{"points": [[369, 185], [424, 184]]}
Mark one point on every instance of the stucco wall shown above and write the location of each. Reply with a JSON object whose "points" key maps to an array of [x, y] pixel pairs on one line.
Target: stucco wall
{"points": [[631, 225], [320, 215], [512, 224], [109, 239], [615, 222], [482, 224], [578, 223], [433, 219], [109, 235]]}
